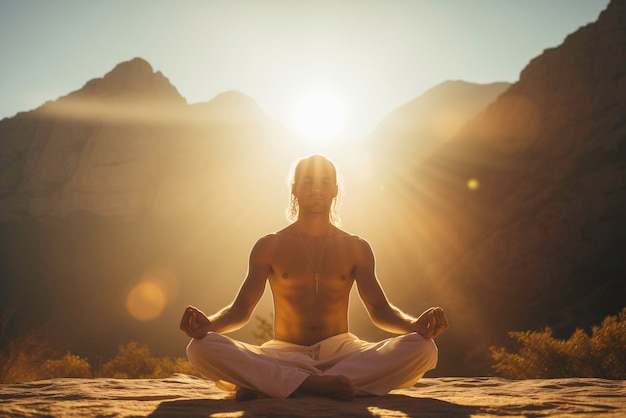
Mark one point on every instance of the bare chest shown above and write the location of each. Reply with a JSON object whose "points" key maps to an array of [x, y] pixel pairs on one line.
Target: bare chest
{"points": [[322, 268]]}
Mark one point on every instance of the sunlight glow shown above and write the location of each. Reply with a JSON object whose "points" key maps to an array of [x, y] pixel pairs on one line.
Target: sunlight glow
{"points": [[145, 301], [157, 288], [473, 184], [318, 114]]}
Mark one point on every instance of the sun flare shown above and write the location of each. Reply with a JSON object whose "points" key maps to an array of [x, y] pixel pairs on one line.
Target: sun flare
{"points": [[318, 114]]}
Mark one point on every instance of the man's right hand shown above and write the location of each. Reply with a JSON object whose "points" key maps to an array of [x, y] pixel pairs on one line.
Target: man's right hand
{"points": [[195, 323]]}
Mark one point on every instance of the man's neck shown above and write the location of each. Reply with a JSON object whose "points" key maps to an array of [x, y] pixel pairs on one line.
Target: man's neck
{"points": [[313, 226]]}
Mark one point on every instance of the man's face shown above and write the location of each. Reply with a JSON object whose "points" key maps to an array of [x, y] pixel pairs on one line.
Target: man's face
{"points": [[315, 189]]}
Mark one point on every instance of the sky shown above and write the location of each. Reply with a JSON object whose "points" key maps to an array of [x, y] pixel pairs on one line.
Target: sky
{"points": [[348, 62]]}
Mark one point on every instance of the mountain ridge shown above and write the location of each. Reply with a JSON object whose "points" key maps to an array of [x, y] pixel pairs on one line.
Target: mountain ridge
{"points": [[537, 241]]}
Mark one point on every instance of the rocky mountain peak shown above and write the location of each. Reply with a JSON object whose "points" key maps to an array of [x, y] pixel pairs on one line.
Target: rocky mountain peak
{"points": [[132, 79]]}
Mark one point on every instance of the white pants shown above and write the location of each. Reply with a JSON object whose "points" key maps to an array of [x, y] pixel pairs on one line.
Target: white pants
{"points": [[277, 368]]}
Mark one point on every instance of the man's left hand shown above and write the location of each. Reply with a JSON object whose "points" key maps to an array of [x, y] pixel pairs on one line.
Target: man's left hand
{"points": [[431, 323]]}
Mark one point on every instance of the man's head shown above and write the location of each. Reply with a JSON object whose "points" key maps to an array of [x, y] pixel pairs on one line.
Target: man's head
{"points": [[314, 188]]}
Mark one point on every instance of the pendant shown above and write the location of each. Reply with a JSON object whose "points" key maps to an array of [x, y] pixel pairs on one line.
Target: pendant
{"points": [[317, 279]]}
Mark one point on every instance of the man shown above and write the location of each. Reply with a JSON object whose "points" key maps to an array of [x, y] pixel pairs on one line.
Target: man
{"points": [[311, 266]]}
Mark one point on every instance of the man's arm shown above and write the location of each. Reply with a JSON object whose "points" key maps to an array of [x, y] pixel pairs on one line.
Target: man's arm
{"points": [[383, 314], [234, 316]]}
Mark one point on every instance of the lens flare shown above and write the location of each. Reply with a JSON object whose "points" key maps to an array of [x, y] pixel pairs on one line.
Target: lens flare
{"points": [[156, 289], [473, 184], [145, 301]]}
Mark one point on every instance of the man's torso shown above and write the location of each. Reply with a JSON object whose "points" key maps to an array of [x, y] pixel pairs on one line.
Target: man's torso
{"points": [[306, 312]]}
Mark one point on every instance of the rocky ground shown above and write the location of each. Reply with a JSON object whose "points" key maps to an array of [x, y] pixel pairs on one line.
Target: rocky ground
{"points": [[186, 396]]}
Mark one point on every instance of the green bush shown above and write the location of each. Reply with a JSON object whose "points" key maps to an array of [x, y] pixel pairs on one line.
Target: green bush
{"points": [[541, 356]]}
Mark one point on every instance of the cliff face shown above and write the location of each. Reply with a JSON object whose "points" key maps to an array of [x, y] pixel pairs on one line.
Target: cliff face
{"points": [[419, 127], [528, 200], [124, 145], [123, 178]]}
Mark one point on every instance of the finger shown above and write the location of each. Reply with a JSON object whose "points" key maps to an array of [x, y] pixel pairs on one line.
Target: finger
{"points": [[430, 323], [442, 319], [439, 317], [432, 318], [184, 322], [193, 321], [438, 314]]}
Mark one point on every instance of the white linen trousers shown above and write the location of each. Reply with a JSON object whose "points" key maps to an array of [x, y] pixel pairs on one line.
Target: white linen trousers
{"points": [[277, 368]]}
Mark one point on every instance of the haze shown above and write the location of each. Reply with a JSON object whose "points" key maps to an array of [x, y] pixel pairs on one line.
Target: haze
{"points": [[366, 57]]}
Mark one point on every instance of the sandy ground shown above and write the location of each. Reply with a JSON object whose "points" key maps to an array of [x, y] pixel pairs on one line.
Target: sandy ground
{"points": [[187, 396]]}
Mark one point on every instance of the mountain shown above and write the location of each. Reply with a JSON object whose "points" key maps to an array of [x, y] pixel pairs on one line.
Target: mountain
{"points": [[122, 183], [121, 189], [419, 127], [124, 145], [519, 219]]}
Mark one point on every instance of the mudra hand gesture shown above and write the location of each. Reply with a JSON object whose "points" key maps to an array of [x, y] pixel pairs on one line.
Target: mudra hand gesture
{"points": [[431, 323], [195, 323]]}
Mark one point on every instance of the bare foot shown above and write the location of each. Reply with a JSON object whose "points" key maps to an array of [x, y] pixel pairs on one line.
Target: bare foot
{"points": [[244, 394], [336, 387]]}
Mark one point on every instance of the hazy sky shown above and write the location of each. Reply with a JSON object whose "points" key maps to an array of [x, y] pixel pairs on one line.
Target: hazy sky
{"points": [[370, 56]]}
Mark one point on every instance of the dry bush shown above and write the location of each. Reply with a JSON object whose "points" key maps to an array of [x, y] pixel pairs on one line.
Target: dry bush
{"points": [[23, 354], [69, 365], [264, 329], [541, 356], [136, 362], [30, 357], [23, 359], [132, 361]]}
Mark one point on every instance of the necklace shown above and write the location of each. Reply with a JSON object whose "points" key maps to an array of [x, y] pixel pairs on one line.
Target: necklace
{"points": [[316, 270]]}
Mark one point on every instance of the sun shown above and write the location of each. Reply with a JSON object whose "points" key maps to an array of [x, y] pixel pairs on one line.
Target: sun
{"points": [[317, 114]]}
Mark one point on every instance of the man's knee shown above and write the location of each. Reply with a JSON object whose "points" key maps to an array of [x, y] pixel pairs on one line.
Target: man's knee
{"points": [[199, 348], [194, 349], [425, 348], [432, 352]]}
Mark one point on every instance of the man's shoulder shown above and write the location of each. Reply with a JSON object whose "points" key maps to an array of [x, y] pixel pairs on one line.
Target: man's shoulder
{"points": [[268, 239], [347, 236], [275, 238], [290, 232]]}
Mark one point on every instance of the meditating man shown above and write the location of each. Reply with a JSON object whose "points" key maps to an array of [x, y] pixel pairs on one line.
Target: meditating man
{"points": [[311, 266]]}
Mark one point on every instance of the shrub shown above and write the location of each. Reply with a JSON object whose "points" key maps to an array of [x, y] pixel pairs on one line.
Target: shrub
{"points": [[22, 357], [135, 361], [29, 357], [166, 367], [603, 354], [69, 365], [264, 329], [132, 361]]}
